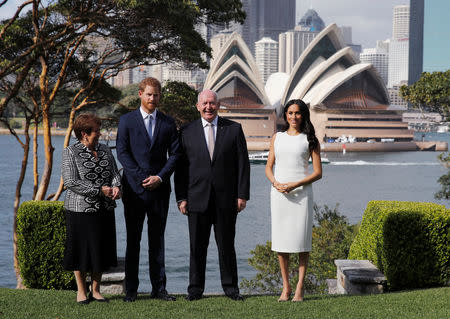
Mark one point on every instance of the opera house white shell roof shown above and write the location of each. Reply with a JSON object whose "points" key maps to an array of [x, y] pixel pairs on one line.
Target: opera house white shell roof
{"points": [[326, 75]]}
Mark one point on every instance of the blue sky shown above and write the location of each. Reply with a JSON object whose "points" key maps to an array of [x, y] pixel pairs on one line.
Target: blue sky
{"points": [[436, 52]]}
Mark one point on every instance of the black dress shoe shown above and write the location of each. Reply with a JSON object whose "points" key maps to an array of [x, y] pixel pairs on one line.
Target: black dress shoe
{"points": [[83, 302], [162, 295], [193, 297], [91, 298], [236, 297], [130, 297]]}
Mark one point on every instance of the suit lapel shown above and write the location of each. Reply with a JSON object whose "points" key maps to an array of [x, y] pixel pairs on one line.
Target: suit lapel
{"points": [[200, 136], [141, 126], [159, 122]]}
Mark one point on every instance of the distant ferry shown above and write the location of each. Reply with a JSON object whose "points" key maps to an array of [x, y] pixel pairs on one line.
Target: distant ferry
{"points": [[261, 157], [442, 128]]}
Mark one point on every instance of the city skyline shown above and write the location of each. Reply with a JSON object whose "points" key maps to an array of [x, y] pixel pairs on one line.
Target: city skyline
{"points": [[370, 20]]}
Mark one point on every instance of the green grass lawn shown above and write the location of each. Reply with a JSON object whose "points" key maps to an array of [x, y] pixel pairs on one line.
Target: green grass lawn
{"points": [[428, 303]]}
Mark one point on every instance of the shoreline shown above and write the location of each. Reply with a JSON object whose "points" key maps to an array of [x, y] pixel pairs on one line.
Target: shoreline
{"points": [[263, 145]]}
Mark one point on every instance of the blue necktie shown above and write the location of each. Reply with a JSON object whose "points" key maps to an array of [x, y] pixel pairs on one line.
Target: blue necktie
{"points": [[149, 127]]}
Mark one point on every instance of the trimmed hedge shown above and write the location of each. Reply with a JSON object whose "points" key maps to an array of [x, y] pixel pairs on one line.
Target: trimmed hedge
{"points": [[41, 234], [408, 241]]}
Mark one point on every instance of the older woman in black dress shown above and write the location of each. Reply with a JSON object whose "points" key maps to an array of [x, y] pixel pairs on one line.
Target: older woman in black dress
{"points": [[92, 180]]}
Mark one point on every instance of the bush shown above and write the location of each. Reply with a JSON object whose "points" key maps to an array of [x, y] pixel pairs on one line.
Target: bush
{"points": [[15, 124], [332, 237], [41, 233], [407, 241]]}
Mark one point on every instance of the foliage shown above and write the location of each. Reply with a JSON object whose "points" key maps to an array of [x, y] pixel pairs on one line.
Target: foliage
{"points": [[44, 304], [95, 39], [41, 234], [332, 237], [431, 92], [408, 241], [444, 180], [15, 124], [178, 100]]}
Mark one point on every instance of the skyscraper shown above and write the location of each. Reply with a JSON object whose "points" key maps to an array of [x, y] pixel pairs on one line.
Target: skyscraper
{"points": [[346, 34], [312, 21], [291, 44], [400, 25], [399, 46], [266, 57], [378, 57], [415, 64], [267, 18]]}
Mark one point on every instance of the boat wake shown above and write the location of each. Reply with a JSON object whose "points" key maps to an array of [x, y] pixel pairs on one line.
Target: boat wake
{"points": [[365, 163]]}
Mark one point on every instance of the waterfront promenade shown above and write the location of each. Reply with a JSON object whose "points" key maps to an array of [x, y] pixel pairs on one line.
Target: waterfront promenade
{"points": [[263, 145]]}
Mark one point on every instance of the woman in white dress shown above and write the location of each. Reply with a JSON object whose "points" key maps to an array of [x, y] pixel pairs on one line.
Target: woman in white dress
{"points": [[291, 197]]}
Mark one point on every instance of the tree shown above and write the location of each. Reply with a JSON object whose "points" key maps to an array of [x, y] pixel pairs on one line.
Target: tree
{"points": [[332, 237], [431, 92], [444, 180], [178, 100], [77, 45]]}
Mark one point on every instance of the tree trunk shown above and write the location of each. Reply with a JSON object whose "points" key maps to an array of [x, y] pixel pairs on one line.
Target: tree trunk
{"points": [[35, 159], [48, 166], [23, 169]]}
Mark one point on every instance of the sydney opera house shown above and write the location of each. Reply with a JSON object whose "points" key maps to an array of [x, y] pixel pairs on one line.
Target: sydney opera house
{"points": [[345, 97]]}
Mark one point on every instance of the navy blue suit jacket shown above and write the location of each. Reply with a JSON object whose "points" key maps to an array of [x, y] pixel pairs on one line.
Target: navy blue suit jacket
{"points": [[140, 158]]}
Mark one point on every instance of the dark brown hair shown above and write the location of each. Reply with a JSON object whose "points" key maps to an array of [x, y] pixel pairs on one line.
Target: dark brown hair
{"points": [[85, 123], [149, 82], [306, 126]]}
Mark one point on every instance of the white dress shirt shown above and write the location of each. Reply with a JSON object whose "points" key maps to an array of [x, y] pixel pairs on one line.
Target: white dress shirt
{"points": [[146, 118]]}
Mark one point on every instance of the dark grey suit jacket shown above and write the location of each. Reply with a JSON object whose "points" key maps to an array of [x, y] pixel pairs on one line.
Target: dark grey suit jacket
{"points": [[228, 173]]}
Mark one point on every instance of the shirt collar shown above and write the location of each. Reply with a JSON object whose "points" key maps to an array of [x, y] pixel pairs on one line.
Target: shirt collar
{"points": [[145, 114], [214, 122]]}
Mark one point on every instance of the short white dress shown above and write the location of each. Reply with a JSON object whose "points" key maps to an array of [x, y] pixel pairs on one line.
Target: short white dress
{"points": [[292, 213]]}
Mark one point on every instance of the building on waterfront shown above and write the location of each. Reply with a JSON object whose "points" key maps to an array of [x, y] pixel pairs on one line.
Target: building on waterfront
{"points": [[236, 78], [266, 57], [394, 96], [266, 18], [378, 57], [345, 97], [422, 121]]}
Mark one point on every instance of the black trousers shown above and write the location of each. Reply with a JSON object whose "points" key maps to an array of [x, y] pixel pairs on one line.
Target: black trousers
{"points": [[200, 224], [135, 211]]}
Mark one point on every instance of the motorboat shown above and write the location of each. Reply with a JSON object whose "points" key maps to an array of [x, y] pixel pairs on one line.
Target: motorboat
{"points": [[260, 157]]}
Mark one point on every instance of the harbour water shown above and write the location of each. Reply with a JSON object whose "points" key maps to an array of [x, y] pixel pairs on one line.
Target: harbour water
{"points": [[351, 180]]}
